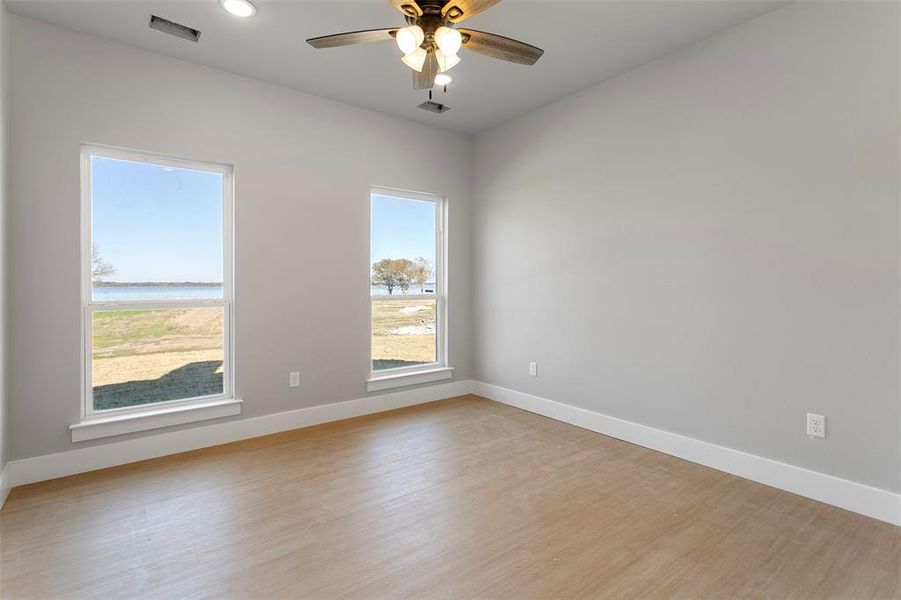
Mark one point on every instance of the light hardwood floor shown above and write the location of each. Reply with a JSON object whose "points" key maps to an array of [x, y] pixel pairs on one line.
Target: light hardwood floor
{"points": [[462, 498]]}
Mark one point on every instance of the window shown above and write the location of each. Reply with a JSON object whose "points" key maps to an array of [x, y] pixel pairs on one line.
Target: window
{"points": [[407, 294], [156, 284]]}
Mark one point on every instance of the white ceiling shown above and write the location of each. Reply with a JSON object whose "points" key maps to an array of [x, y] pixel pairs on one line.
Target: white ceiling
{"points": [[585, 43]]}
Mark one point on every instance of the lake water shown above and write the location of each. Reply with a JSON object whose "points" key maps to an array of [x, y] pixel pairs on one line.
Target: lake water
{"points": [[380, 290], [198, 292], [162, 292]]}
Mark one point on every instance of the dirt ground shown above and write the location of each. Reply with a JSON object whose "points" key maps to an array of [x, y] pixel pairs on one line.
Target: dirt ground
{"points": [[403, 333]]}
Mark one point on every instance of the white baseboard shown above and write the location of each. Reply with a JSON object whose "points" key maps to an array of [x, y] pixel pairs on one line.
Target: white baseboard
{"points": [[5, 483], [857, 497], [72, 462]]}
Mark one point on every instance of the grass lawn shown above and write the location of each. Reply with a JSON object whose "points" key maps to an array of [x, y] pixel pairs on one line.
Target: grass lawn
{"points": [[143, 356]]}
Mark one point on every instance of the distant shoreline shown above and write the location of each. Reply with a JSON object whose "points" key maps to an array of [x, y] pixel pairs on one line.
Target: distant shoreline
{"points": [[156, 284]]}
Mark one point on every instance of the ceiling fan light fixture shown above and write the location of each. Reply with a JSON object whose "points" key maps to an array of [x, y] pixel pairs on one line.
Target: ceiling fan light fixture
{"points": [[443, 79], [239, 8], [415, 60], [446, 62], [409, 39], [429, 40], [448, 40]]}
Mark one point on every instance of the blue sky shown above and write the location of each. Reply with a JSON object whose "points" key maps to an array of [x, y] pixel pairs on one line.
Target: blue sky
{"points": [[402, 228], [155, 223]]}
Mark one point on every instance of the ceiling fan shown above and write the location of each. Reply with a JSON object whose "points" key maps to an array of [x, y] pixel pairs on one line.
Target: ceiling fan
{"points": [[430, 42]]}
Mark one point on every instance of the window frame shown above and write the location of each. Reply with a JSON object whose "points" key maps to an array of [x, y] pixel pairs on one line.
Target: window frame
{"points": [[89, 305], [380, 379]]}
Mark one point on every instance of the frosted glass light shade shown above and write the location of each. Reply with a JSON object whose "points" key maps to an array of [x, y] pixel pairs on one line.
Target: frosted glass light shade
{"points": [[415, 60], [448, 40], [409, 38], [446, 62]]}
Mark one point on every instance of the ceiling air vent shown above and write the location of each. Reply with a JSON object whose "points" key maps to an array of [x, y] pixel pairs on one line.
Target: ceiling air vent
{"points": [[434, 107], [173, 28]]}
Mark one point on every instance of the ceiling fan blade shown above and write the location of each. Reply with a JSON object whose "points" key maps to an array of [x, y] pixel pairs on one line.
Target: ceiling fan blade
{"points": [[458, 10], [498, 46], [426, 79], [408, 7], [353, 37]]}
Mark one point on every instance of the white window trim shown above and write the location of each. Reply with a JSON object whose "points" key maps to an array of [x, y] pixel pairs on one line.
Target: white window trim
{"points": [[404, 376], [403, 379], [94, 424], [153, 418]]}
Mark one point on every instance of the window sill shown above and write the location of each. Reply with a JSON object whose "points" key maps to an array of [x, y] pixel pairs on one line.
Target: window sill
{"points": [[100, 427], [388, 382]]}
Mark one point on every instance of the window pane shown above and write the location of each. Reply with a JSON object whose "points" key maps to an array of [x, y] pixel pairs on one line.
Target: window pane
{"points": [[403, 333], [156, 231], [403, 246], [145, 356]]}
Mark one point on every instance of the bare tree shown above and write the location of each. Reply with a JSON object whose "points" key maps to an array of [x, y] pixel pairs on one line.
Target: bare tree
{"points": [[422, 273], [100, 269], [393, 273]]}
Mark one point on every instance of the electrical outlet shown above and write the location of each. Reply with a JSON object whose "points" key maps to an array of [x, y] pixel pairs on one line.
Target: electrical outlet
{"points": [[533, 369], [294, 379], [816, 425]]}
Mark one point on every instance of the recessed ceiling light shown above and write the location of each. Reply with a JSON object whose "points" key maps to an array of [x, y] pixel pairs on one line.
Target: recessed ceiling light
{"points": [[443, 79], [239, 8]]}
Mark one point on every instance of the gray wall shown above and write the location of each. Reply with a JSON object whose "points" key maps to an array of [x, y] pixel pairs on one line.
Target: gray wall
{"points": [[4, 119], [303, 169], [709, 244]]}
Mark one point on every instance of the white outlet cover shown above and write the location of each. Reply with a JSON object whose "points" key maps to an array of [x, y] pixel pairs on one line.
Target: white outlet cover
{"points": [[294, 379], [533, 369], [816, 425]]}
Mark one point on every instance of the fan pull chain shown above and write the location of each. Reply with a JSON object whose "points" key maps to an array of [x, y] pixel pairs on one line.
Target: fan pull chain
{"points": [[430, 94]]}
